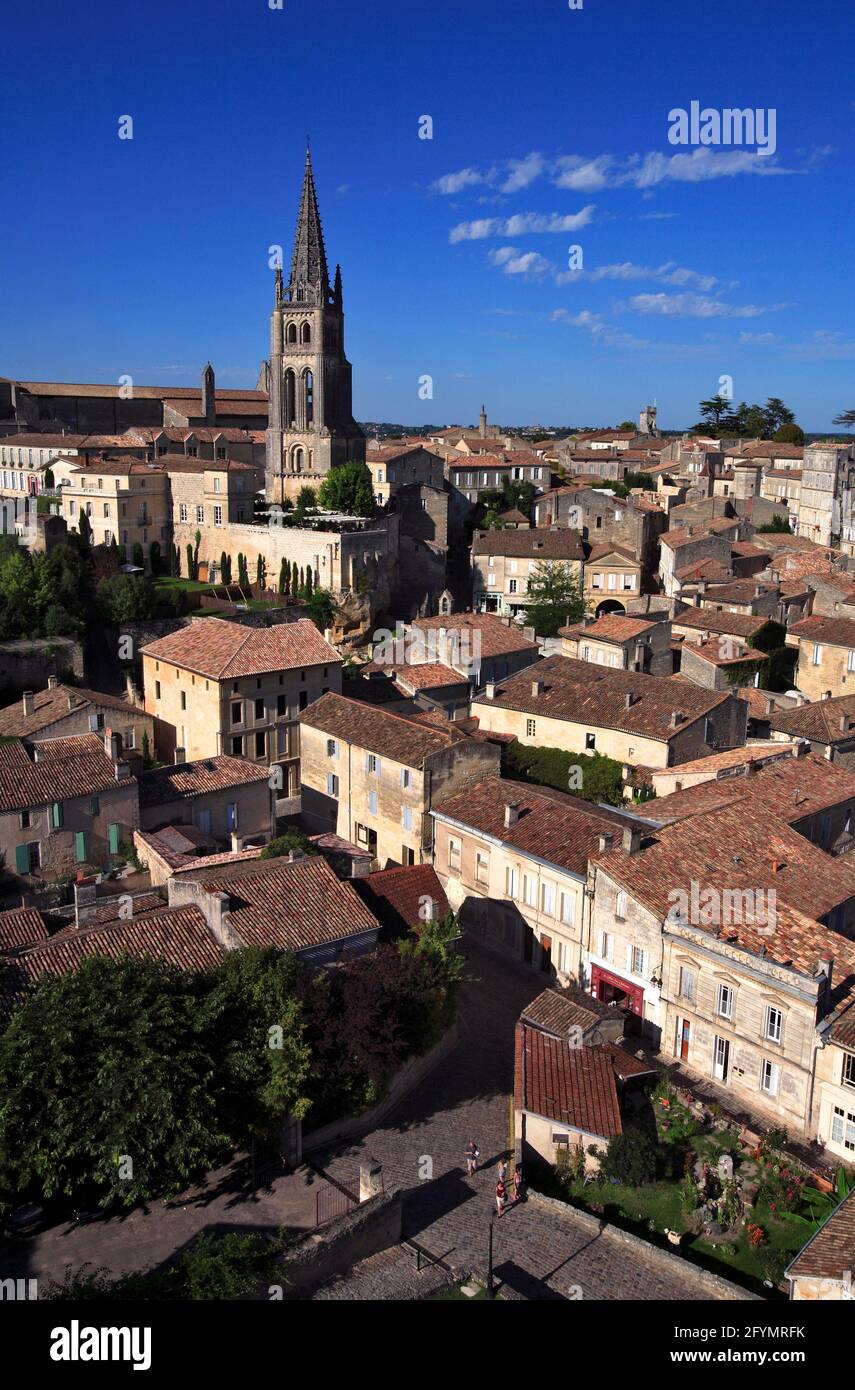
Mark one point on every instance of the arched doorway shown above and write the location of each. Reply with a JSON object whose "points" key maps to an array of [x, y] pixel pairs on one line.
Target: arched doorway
{"points": [[610, 605]]}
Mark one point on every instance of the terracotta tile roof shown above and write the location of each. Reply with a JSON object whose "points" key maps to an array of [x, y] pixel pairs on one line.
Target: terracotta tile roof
{"points": [[375, 729], [564, 544], [514, 515], [736, 591], [76, 388], [710, 620], [51, 705], [843, 1030], [835, 632], [745, 758], [292, 906], [22, 926], [624, 1063], [396, 895], [470, 462], [585, 693], [497, 637], [600, 552], [703, 569], [574, 1086], [430, 675], [819, 721], [830, 1253], [184, 780], [712, 651], [225, 651], [178, 935], [65, 768], [784, 473], [609, 628], [562, 830], [787, 789], [737, 849], [561, 1011]]}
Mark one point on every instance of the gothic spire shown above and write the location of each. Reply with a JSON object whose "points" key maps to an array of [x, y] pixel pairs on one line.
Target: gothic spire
{"points": [[309, 261]]}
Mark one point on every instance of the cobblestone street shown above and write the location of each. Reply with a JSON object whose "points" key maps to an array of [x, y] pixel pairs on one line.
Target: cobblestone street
{"points": [[541, 1250]]}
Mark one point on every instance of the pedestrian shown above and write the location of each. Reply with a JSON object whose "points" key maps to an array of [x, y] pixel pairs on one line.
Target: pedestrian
{"points": [[502, 1169], [473, 1153], [501, 1196], [518, 1183]]}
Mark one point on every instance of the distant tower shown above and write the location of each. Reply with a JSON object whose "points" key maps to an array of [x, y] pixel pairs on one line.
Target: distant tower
{"points": [[482, 423], [647, 420], [310, 423], [209, 395]]}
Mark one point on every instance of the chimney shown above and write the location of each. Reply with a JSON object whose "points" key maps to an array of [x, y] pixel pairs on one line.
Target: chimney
{"points": [[770, 705], [85, 908], [122, 770], [71, 702], [606, 842], [112, 745], [236, 842], [52, 682], [537, 687], [295, 855], [512, 813], [506, 622], [630, 697], [180, 756], [844, 723], [490, 690], [631, 839], [677, 717]]}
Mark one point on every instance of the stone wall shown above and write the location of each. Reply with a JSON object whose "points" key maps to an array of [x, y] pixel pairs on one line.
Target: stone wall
{"points": [[26, 664], [373, 1226]]}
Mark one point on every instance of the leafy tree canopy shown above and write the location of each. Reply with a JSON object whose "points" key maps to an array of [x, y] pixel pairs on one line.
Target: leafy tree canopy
{"points": [[348, 489], [556, 597]]}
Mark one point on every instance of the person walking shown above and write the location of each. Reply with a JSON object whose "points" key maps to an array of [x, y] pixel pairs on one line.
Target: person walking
{"points": [[502, 1169], [518, 1183], [473, 1153], [501, 1196]]}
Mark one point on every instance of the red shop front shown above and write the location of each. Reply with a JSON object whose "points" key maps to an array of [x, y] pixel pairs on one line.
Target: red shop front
{"points": [[611, 989]]}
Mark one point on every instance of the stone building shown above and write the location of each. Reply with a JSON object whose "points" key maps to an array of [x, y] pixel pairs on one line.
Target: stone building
{"points": [[372, 776], [126, 501], [219, 687], [624, 642], [825, 504], [65, 803], [311, 428], [826, 664], [63, 710], [639, 720], [503, 563]]}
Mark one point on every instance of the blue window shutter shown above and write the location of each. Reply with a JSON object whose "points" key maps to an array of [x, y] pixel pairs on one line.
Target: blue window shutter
{"points": [[113, 840], [22, 860], [80, 846]]}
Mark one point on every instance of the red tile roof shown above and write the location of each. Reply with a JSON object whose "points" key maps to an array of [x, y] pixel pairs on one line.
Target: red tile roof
{"points": [[830, 1253], [835, 632], [178, 935], [820, 721], [22, 926], [574, 1086], [184, 780], [51, 705], [224, 650], [551, 825], [65, 768], [564, 544], [292, 906], [398, 895], [598, 696], [610, 628], [377, 730], [497, 637]]}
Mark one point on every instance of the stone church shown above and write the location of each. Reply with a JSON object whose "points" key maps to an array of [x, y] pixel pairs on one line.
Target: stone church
{"points": [[311, 428]]}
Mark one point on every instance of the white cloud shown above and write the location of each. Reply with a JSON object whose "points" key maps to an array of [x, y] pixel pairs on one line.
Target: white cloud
{"points": [[514, 262], [760, 339], [520, 224], [463, 178], [523, 172], [669, 274], [694, 306]]}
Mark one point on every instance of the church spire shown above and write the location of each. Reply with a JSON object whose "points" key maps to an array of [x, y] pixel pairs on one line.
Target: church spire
{"points": [[309, 261]]}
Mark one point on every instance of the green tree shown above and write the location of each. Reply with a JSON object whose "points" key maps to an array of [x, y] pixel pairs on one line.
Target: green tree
{"points": [[175, 562], [789, 434], [146, 749], [139, 557], [191, 566], [556, 598], [631, 1158], [126, 598], [284, 585], [779, 525], [84, 528], [261, 572], [626, 425], [253, 1025], [243, 574], [155, 562], [305, 500], [291, 839], [109, 1061], [307, 592], [295, 579], [348, 489], [321, 609]]}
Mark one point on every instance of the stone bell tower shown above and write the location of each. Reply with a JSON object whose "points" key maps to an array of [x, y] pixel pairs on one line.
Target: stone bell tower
{"points": [[311, 428]]}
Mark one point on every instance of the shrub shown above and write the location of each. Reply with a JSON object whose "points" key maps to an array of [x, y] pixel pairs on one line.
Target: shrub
{"points": [[631, 1158]]}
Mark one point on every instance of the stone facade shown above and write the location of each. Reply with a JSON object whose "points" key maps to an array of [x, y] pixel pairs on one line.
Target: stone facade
{"points": [[311, 428]]}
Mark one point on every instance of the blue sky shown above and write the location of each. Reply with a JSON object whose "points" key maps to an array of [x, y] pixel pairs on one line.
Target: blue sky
{"points": [[550, 129]]}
